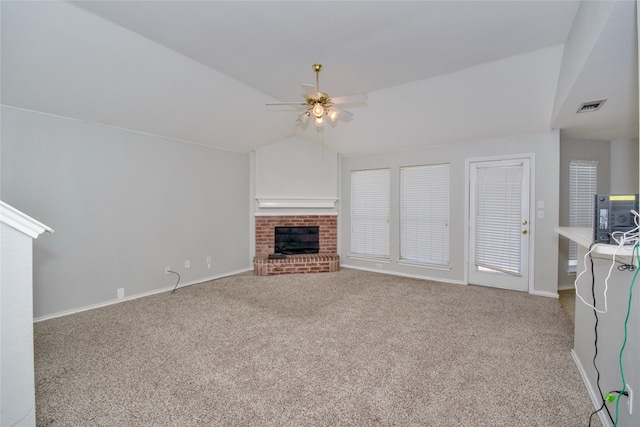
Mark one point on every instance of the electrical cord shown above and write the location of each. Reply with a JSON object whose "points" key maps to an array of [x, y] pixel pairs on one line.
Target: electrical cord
{"points": [[610, 398], [176, 286], [626, 267], [624, 341], [606, 281], [622, 267], [595, 341]]}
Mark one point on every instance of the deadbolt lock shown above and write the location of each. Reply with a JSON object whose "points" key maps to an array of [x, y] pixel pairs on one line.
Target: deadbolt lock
{"points": [[524, 222]]}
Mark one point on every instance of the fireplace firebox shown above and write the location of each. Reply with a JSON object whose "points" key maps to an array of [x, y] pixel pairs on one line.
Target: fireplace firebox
{"points": [[297, 240]]}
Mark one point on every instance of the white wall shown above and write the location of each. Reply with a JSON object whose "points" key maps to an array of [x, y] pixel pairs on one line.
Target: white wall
{"points": [[124, 205], [544, 147], [624, 173], [296, 168], [17, 384]]}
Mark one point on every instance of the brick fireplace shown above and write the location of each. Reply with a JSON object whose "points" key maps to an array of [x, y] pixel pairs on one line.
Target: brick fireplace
{"points": [[326, 260]]}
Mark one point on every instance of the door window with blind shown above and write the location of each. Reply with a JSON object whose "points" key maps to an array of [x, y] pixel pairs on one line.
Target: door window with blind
{"points": [[370, 207], [499, 217], [424, 214], [583, 186], [499, 196]]}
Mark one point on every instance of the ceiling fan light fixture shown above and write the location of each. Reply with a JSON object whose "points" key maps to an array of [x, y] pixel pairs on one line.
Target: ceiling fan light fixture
{"points": [[333, 114], [318, 110], [319, 121], [304, 116]]}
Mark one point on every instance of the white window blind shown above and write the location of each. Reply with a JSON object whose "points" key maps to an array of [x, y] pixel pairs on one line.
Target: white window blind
{"points": [[583, 186], [424, 214], [370, 206], [498, 216]]}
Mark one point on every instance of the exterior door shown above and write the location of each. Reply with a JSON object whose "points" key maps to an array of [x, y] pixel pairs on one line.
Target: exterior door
{"points": [[499, 223]]}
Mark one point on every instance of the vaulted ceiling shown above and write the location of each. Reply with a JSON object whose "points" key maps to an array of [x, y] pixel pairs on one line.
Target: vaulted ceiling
{"points": [[436, 71]]}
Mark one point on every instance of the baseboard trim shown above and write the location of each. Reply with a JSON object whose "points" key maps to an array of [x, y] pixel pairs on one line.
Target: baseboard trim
{"points": [[136, 296], [604, 420], [396, 273], [546, 294]]}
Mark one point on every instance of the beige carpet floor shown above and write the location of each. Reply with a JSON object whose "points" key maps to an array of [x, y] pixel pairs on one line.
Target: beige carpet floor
{"points": [[350, 348]]}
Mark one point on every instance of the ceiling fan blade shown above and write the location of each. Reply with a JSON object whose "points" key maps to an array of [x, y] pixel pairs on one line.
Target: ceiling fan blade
{"points": [[311, 91], [358, 97], [342, 113]]}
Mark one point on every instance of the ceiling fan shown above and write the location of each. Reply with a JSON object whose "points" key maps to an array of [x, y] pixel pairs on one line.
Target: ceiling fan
{"points": [[319, 104]]}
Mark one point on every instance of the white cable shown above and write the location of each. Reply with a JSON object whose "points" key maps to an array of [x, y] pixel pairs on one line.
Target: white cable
{"points": [[629, 237], [575, 284]]}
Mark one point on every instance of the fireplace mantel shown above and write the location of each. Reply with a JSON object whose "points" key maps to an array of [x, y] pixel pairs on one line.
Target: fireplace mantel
{"points": [[296, 203]]}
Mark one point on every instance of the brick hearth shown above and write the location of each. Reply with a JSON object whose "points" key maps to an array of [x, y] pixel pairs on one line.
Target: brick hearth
{"points": [[327, 260]]}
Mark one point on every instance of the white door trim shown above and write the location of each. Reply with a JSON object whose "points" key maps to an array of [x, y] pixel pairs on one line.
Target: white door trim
{"points": [[532, 209]]}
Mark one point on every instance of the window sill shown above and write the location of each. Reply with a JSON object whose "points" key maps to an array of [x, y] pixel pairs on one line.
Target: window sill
{"points": [[371, 259]]}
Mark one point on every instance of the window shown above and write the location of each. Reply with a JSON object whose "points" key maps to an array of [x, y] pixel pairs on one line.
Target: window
{"points": [[583, 179], [424, 214], [370, 213]]}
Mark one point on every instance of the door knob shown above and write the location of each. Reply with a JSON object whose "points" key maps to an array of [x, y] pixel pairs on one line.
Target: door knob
{"points": [[524, 231]]}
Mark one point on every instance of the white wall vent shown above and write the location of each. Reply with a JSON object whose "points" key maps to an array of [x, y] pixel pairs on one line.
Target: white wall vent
{"points": [[591, 106]]}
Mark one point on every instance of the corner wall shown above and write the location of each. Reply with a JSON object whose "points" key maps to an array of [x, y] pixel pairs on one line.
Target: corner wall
{"points": [[124, 205]]}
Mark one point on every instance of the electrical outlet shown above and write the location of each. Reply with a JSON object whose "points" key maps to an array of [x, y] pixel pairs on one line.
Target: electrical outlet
{"points": [[120, 293], [629, 402], [166, 270], [187, 264], [208, 262]]}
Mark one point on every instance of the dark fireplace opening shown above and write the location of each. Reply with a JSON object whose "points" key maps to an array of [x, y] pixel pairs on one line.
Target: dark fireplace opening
{"points": [[297, 240]]}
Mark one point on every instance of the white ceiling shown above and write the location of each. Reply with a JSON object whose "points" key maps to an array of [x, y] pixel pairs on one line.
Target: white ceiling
{"points": [[365, 45], [203, 70]]}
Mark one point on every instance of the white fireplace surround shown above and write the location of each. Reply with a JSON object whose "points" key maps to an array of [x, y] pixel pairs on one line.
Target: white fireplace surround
{"points": [[297, 203]]}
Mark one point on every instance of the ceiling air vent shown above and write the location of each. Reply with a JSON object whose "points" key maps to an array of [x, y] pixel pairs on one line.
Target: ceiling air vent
{"points": [[590, 106]]}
